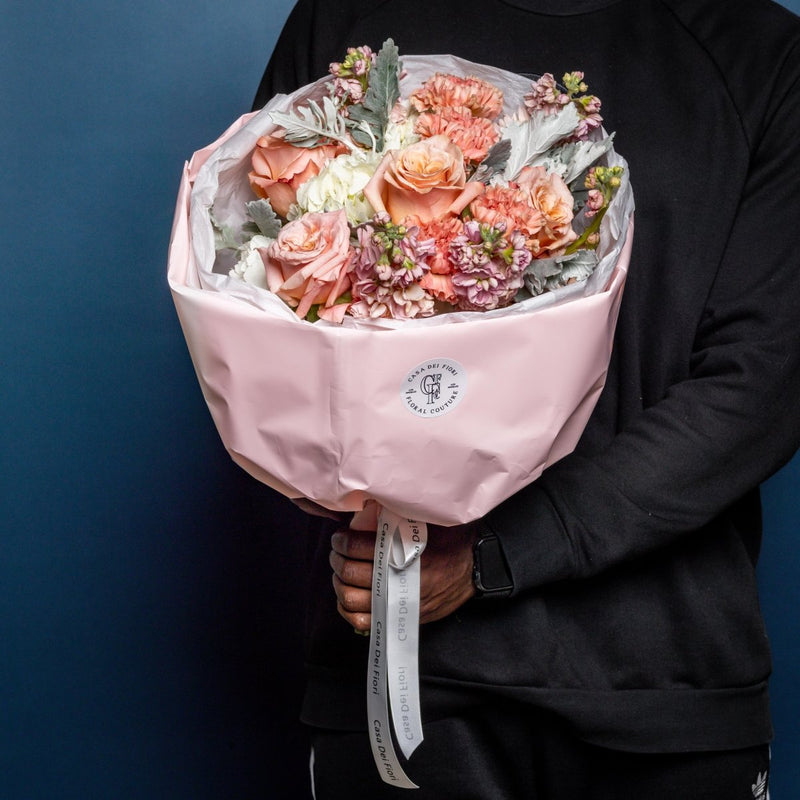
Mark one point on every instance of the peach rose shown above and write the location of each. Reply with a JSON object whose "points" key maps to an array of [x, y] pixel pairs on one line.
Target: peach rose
{"points": [[426, 179], [280, 169], [550, 196], [308, 263]]}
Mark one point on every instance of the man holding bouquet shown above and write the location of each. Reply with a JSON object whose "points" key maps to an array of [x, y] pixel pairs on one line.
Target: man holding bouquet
{"points": [[598, 635]]}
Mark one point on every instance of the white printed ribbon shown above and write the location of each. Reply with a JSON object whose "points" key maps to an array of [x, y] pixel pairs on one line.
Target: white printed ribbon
{"points": [[393, 680]]}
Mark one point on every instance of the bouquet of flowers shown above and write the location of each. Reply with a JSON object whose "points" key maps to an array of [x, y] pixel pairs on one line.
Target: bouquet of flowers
{"points": [[312, 408], [375, 205], [400, 284]]}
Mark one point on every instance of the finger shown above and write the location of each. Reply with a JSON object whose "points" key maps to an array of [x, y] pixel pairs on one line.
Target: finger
{"points": [[350, 572], [359, 622], [351, 598], [352, 544]]}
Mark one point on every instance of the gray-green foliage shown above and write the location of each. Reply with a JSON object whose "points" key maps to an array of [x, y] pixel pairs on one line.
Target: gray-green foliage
{"points": [[266, 220], [368, 120], [312, 124]]}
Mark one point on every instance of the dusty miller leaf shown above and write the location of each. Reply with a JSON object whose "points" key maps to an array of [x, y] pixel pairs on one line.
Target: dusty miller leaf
{"points": [[382, 93], [225, 237], [548, 274], [495, 161], [578, 267], [572, 159], [536, 136], [266, 220], [308, 125]]}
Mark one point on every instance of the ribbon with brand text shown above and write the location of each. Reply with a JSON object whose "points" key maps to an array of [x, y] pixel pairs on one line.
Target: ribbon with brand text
{"points": [[393, 680]]}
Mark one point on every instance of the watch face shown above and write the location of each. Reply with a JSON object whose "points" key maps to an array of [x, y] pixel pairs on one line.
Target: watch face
{"points": [[491, 573]]}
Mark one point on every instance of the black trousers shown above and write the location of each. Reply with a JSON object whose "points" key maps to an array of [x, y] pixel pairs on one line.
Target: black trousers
{"points": [[502, 752]]}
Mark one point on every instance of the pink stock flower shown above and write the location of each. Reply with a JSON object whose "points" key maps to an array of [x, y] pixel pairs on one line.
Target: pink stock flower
{"points": [[307, 264], [594, 202], [588, 123], [545, 96], [451, 91], [472, 135], [389, 264], [425, 180], [280, 169], [350, 89], [488, 266], [352, 74]]}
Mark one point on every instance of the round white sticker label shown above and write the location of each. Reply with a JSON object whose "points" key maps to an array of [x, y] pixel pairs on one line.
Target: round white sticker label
{"points": [[434, 387]]}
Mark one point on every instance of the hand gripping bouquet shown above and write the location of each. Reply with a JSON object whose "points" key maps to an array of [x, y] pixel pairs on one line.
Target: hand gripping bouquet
{"points": [[399, 287]]}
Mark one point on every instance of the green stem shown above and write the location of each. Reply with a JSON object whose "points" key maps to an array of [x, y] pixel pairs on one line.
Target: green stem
{"points": [[593, 228]]}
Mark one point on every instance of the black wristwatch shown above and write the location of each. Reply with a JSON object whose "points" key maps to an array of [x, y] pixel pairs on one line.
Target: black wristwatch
{"points": [[490, 573]]}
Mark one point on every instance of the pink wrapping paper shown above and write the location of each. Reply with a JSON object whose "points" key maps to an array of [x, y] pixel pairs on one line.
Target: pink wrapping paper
{"points": [[321, 411]]}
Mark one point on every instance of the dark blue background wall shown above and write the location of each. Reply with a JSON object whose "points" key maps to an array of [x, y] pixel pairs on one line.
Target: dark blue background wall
{"points": [[149, 590]]}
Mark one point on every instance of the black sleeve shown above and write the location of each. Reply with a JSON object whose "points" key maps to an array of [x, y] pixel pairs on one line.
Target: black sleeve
{"points": [[315, 34], [714, 436], [288, 67]]}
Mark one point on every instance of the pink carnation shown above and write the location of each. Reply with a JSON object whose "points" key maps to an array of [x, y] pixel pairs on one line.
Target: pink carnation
{"points": [[507, 206], [539, 205], [440, 287], [473, 135], [441, 232], [451, 91]]}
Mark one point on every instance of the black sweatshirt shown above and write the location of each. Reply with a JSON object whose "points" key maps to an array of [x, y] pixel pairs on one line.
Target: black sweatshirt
{"points": [[635, 615]]}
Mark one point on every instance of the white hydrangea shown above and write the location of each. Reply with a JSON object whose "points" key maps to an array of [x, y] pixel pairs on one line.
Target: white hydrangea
{"points": [[400, 132], [340, 184], [250, 266]]}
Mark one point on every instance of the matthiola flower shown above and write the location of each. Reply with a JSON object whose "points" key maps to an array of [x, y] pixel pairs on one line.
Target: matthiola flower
{"points": [[389, 262], [352, 74], [590, 118], [602, 183], [594, 202], [547, 97], [488, 266], [401, 303]]}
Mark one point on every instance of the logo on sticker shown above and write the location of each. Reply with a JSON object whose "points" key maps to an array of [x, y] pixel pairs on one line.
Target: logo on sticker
{"points": [[434, 387]]}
